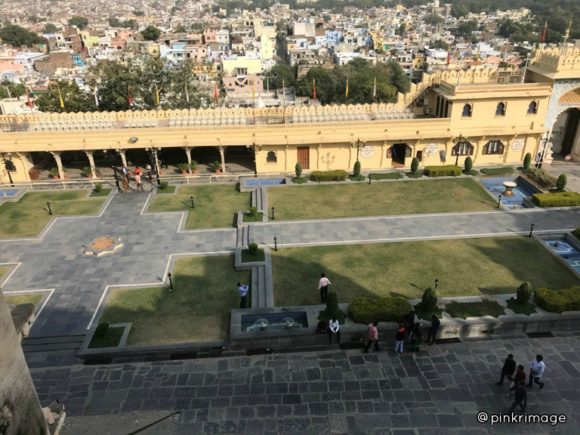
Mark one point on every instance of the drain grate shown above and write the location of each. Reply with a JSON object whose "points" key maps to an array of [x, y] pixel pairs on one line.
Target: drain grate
{"points": [[540, 334]]}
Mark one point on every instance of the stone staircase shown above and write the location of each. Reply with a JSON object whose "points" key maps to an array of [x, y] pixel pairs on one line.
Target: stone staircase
{"points": [[52, 351]]}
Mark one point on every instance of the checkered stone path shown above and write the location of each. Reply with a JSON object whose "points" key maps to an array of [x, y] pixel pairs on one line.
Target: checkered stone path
{"points": [[438, 390], [56, 261]]}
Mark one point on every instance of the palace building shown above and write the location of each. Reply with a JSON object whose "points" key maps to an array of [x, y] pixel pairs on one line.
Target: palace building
{"points": [[495, 116]]}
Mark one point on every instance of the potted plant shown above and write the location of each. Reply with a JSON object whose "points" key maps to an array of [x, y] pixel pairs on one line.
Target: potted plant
{"points": [[215, 167], [183, 168], [34, 173], [86, 172], [193, 166], [54, 173]]}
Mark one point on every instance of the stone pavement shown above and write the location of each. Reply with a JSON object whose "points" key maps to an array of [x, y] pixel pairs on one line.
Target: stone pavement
{"points": [[438, 390], [571, 169], [56, 261]]}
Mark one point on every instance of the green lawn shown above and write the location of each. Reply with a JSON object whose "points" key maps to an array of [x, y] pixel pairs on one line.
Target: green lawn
{"points": [[215, 206], [3, 271], [198, 309], [29, 215], [463, 267], [404, 197], [25, 298]]}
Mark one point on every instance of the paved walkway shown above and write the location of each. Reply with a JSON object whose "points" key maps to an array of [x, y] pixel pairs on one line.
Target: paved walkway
{"points": [[439, 390], [56, 260]]}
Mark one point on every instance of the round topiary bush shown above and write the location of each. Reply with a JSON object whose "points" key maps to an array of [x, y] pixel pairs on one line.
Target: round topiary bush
{"points": [[356, 169], [332, 309], [429, 300], [253, 248], [562, 181], [414, 165], [468, 165], [298, 170], [527, 160], [523, 293]]}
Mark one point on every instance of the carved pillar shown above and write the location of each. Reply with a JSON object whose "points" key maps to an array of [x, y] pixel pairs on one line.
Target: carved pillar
{"points": [[91, 163], [223, 158], [123, 157], [188, 155], [57, 159], [155, 161]]}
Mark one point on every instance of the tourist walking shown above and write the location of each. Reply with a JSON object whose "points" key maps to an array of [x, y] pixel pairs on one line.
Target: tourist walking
{"points": [[520, 398], [537, 368], [243, 290], [519, 377], [400, 338], [508, 369], [333, 329], [373, 337], [435, 325], [323, 285], [137, 176]]}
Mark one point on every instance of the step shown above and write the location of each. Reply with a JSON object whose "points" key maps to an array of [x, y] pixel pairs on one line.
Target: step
{"points": [[31, 341], [254, 288], [268, 288], [50, 347], [249, 235], [255, 198], [261, 287]]}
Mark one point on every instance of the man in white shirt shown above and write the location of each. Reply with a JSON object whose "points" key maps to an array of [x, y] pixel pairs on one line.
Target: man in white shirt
{"points": [[323, 285], [333, 329], [243, 290], [537, 368]]}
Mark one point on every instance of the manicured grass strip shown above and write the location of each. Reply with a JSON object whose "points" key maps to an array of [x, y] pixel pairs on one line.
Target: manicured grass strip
{"points": [[386, 175], [169, 189], [25, 298], [504, 170], [215, 206], [463, 267], [29, 215], [198, 309], [526, 309], [111, 338], [248, 257], [258, 217], [352, 200], [463, 310], [103, 192]]}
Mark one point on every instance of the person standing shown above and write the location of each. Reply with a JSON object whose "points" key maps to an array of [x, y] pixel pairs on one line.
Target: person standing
{"points": [[373, 337], [137, 176], [520, 397], [519, 377], [537, 368], [243, 290], [400, 338], [334, 329], [323, 285], [149, 174], [435, 325], [508, 369]]}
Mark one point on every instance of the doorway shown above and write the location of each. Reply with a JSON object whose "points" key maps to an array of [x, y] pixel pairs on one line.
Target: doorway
{"points": [[304, 157], [398, 153], [570, 131]]}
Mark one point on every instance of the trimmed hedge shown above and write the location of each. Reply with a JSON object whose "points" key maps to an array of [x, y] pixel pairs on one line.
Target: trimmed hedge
{"points": [[576, 232], [442, 171], [541, 177], [558, 301], [388, 309], [504, 170], [338, 175], [556, 199], [386, 176]]}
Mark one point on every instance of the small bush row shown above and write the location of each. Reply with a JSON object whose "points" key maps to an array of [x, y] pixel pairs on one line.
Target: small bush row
{"points": [[442, 171], [338, 175], [541, 177], [386, 176], [387, 309], [556, 199], [558, 301], [504, 170]]}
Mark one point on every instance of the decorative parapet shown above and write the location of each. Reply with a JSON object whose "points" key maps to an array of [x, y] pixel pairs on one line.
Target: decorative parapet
{"points": [[557, 59]]}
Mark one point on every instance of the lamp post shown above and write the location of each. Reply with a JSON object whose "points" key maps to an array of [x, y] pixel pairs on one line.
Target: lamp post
{"points": [[436, 283], [156, 161], [499, 200], [49, 209], [9, 166], [170, 281], [192, 203], [275, 243], [273, 214], [370, 178], [531, 230]]}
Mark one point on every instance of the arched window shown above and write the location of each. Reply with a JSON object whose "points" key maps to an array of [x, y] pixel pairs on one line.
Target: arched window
{"points": [[463, 148], [466, 111], [493, 147], [500, 109], [533, 108], [271, 157]]}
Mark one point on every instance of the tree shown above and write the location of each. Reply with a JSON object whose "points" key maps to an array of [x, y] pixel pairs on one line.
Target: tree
{"points": [[281, 74], [118, 86], [324, 82], [332, 310], [10, 89], [50, 28], [180, 29], [433, 20], [114, 22], [18, 36], [151, 33], [80, 22], [184, 93], [527, 160], [465, 29], [73, 99], [561, 182], [153, 81], [440, 44]]}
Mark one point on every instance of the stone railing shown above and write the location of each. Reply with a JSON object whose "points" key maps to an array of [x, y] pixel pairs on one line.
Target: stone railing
{"points": [[46, 122]]}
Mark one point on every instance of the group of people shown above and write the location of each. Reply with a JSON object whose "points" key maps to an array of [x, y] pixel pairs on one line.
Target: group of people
{"points": [[137, 173], [517, 376]]}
